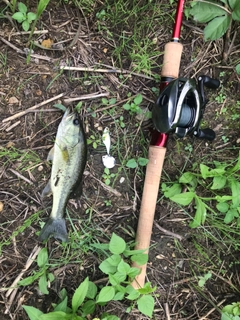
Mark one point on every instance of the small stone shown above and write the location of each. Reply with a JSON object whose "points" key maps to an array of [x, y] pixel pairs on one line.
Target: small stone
{"points": [[13, 100], [1, 206], [40, 168]]}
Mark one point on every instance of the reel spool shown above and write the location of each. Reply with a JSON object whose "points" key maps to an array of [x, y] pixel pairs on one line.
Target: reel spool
{"points": [[180, 107]]}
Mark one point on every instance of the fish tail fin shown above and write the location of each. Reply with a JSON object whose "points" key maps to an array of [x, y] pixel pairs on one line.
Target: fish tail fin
{"points": [[56, 228]]}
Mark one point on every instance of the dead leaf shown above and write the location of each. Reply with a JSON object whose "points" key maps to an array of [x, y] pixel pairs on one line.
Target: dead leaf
{"points": [[10, 144], [47, 43]]}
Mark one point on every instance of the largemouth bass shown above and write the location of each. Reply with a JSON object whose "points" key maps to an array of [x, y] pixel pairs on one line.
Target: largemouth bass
{"points": [[68, 157]]}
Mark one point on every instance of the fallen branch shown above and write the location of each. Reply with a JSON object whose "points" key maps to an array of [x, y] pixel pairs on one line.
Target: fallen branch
{"points": [[13, 290], [90, 69], [169, 233], [22, 113]]}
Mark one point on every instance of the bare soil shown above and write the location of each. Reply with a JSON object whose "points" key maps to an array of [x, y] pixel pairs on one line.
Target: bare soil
{"points": [[174, 265]]}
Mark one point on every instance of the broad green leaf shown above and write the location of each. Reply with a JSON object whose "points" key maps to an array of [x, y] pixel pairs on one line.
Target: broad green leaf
{"points": [[107, 268], [22, 7], [42, 258], [92, 290], [233, 4], [200, 214], [55, 315], [222, 207], [51, 277], [132, 163], [42, 283], [146, 305], [217, 28], [25, 25], [114, 260], [117, 278], [31, 16], [133, 272], [219, 182], [183, 198], [188, 178], [140, 258], [117, 245], [235, 187], [27, 281], [236, 13], [133, 294], [62, 306], [230, 215], [138, 99], [79, 295], [33, 313], [19, 16], [118, 296], [88, 307], [106, 294], [142, 161], [223, 198], [123, 267], [172, 191], [204, 170], [204, 12]]}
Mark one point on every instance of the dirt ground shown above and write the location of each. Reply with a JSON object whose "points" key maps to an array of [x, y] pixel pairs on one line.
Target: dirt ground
{"points": [[174, 264]]}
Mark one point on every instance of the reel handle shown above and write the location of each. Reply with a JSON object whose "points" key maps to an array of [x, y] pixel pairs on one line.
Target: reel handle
{"points": [[207, 134], [209, 82]]}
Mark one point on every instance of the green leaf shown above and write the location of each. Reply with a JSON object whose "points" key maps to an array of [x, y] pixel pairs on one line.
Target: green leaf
{"points": [[33, 313], [133, 272], [118, 296], [217, 28], [117, 278], [106, 294], [188, 178], [132, 163], [147, 288], [60, 106], [42, 6], [107, 268], [204, 170], [222, 207], [88, 307], [27, 281], [42, 258], [133, 294], [50, 277], [204, 12], [123, 267], [25, 25], [183, 198], [140, 258], [79, 295], [233, 4], [92, 290], [114, 260], [42, 283], [55, 315], [235, 187], [236, 13], [146, 305], [238, 68], [62, 306], [138, 99], [200, 214], [230, 215], [31, 16], [142, 161], [117, 245], [19, 16], [22, 7], [172, 191], [219, 182]]}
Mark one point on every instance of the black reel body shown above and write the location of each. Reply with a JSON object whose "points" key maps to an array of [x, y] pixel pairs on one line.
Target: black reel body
{"points": [[180, 107]]}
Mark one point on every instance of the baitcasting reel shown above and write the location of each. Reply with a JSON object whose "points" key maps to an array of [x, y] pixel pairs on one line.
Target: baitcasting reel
{"points": [[180, 107]]}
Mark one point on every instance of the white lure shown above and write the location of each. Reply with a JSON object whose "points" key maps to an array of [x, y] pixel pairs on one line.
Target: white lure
{"points": [[108, 161]]}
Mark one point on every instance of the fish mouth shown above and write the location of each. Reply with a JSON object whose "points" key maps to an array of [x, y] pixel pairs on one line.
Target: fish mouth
{"points": [[69, 115]]}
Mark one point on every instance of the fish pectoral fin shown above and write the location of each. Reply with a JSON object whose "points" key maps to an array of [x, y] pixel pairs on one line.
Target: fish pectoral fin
{"points": [[50, 154], [56, 228], [47, 191]]}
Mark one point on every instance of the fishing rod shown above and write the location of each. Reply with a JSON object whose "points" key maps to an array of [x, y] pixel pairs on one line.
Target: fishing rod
{"points": [[179, 110]]}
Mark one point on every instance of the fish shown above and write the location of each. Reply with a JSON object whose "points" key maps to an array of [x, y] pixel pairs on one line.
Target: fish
{"points": [[68, 156]]}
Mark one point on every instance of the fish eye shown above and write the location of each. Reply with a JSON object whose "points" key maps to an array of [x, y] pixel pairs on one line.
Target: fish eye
{"points": [[76, 122]]}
